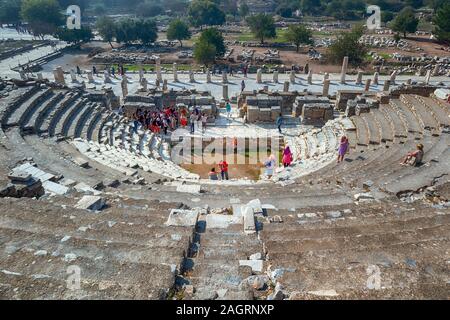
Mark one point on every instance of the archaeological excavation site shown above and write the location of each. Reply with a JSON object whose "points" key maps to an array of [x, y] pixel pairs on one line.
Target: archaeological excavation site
{"points": [[146, 171]]}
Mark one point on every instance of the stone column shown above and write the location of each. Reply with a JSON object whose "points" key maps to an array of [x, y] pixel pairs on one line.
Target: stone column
{"points": [[421, 71], [157, 83], [259, 76], [40, 76], [436, 70], [367, 86], [359, 78], [124, 85], [428, 77], [286, 86], [191, 76], [73, 76], [310, 76], [144, 84], [292, 76], [344, 69], [90, 77], [175, 72], [158, 69], [409, 81], [326, 88], [387, 84], [59, 75], [107, 78], [208, 76], [141, 73], [224, 78], [275, 76], [225, 92], [326, 76], [165, 85], [23, 77], [375, 78], [393, 76]]}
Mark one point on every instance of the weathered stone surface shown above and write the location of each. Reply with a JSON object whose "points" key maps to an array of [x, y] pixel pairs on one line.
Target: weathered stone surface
{"points": [[256, 265], [189, 188], [183, 218], [249, 220], [93, 203]]}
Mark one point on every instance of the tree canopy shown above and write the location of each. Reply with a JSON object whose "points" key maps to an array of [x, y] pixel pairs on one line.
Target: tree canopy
{"points": [[204, 52], [178, 30], [442, 23], [43, 16], [347, 44], [214, 37], [106, 28], [205, 12], [299, 34], [405, 22], [75, 35], [262, 26], [10, 11], [129, 30]]}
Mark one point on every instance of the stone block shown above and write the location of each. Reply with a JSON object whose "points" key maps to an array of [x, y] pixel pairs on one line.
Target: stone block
{"points": [[249, 220], [189, 188], [182, 218], [93, 203], [256, 265]]}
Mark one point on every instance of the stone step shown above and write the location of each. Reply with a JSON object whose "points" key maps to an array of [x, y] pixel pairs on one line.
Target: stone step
{"points": [[148, 281], [81, 121], [66, 117], [398, 126], [48, 120], [32, 124], [362, 133], [15, 100], [409, 118], [92, 122], [372, 128], [384, 124], [441, 115], [26, 109], [424, 115]]}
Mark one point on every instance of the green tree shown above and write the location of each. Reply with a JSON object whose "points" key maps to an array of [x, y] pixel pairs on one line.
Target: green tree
{"points": [[310, 6], [214, 37], [126, 31], [146, 31], [107, 29], [75, 35], [147, 9], [244, 10], [205, 12], [178, 30], [299, 34], [262, 26], [10, 12], [347, 44], [405, 22], [442, 23], [43, 16], [204, 52]]}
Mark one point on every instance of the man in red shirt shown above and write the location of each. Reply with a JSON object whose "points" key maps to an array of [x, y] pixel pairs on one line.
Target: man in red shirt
{"points": [[223, 165]]}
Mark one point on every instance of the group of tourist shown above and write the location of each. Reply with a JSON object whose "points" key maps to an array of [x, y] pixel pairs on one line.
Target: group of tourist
{"points": [[169, 119]]}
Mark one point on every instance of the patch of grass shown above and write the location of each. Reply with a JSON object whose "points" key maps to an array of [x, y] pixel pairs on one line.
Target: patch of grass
{"points": [[151, 67]]}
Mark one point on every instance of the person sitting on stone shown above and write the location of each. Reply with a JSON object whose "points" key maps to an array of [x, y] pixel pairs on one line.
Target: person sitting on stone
{"points": [[414, 158], [213, 174]]}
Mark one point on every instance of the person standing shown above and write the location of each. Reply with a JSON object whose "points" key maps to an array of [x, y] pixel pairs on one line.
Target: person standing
{"points": [[192, 121], [204, 120], [279, 122], [343, 149], [228, 109], [270, 166], [94, 70], [287, 156], [223, 165], [242, 85]]}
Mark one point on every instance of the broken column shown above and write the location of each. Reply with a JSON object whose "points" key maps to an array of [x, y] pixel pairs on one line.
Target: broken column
{"points": [[59, 75], [73, 76], [208, 76], [292, 76], [90, 77], [387, 84], [107, 78], [225, 92], [375, 78], [124, 85], [367, 86], [344, 69], [310, 76], [259, 76], [165, 86], [224, 77], [144, 84], [175, 72], [286, 86], [158, 69], [141, 73], [359, 78], [326, 76], [191, 76], [275, 76], [40, 76], [409, 81], [428, 77], [436, 70], [326, 88]]}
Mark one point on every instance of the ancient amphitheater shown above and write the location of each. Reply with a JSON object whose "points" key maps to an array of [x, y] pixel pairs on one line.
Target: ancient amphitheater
{"points": [[81, 189]]}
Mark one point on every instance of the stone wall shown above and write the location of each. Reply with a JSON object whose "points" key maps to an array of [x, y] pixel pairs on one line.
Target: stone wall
{"points": [[316, 113]]}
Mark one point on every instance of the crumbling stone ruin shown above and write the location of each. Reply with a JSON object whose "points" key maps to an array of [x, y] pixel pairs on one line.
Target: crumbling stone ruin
{"points": [[138, 226]]}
